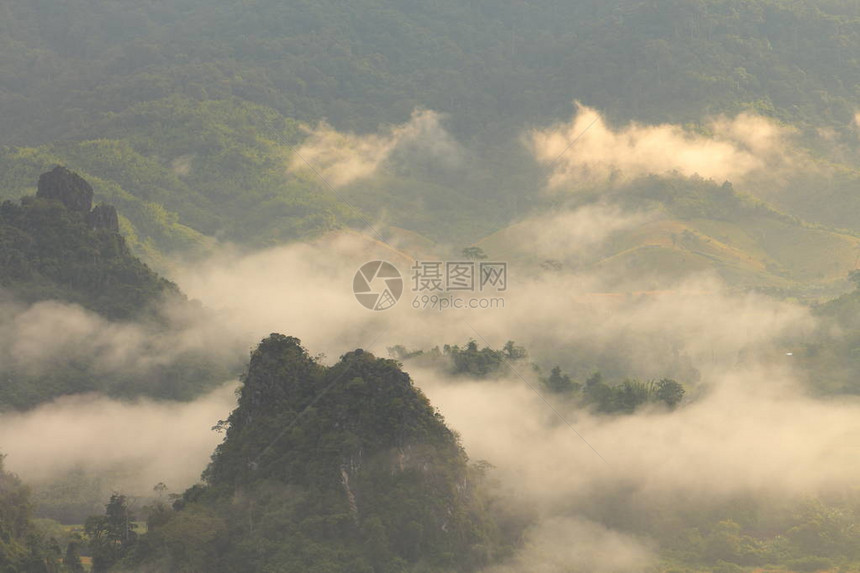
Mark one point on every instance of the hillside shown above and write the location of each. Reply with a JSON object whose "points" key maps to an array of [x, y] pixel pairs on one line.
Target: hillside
{"points": [[94, 314], [185, 114], [184, 173], [345, 468], [56, 245], [693, 226], [373, 62]]}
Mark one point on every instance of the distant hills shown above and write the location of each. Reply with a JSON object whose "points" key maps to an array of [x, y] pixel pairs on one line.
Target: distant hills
{"points": [[692, 226], [494, 66], [185, 115]]}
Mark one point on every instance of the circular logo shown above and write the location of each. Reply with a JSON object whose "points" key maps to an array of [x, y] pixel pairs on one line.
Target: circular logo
{"points": [[377, 285]]}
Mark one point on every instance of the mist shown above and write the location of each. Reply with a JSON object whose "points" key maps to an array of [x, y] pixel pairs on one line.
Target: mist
{"points": [[38, 338], [343, 158], [748, 428], [737, 149], [132, 445]]}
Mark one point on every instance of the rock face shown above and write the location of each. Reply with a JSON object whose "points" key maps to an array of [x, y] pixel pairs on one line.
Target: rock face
{"points": [[69, 188], [104, 217], [76, 194]]}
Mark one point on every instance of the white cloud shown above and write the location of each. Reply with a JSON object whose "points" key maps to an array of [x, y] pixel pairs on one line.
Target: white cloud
{"points": [[588, 150], [342, 158]]}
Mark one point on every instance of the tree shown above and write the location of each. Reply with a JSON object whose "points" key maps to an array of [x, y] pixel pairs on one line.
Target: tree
{"points": [[560, 383], [111, 535], [599, 393], [514, 352], [72, 559], [630, 395], [724, 542], [670, 392], [474, 253]]}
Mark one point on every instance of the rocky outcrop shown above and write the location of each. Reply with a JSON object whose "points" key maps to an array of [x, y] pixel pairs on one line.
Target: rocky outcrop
{"points": [[67, 187], [104, 217], [76, 194]]}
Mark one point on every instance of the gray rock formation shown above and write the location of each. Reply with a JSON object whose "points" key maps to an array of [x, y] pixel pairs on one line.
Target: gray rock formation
{"points": [[104, 217], [69, 188]]}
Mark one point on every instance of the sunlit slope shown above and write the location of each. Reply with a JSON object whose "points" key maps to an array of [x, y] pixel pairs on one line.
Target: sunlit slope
{"points": [[749, 248], [185, 173]]}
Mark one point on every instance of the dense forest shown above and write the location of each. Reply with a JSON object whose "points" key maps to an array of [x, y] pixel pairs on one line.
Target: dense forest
{"points": [[183, 114]]}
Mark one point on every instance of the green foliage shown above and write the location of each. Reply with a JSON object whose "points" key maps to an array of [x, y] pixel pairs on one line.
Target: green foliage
{"points": [[630, 394], [374, 62], [560, 383], [346, 468], [72, 558], [487, 363], [669, 392], [193, 107], [828, 356], [50, 252], [474, 253], [23, 547], [184, 172], [111, 536], [482, 362], [809, 564]]}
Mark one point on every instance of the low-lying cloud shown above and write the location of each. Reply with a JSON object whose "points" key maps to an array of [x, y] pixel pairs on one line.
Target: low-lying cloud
{"points": [[137, 444], [559, 316], [556, 544], [342, 158], [570, 232], [46, 335], [587, 150]]}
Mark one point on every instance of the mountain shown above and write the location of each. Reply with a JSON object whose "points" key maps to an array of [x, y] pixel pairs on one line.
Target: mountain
{"points": [[186, 114], [95, 311], [341, 468], [56, 245], [489, 64], [184, 174]]}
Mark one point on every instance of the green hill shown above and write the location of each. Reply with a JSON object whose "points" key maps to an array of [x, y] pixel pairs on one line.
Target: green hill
{"points": [[694, 226], [183, 114], [184, 173], [345, 468], [56, 247], [490, 64]]}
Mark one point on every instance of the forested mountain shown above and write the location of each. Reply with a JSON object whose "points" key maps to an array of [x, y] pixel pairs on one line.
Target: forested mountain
{"points": [[184, 113], [490, 64], [57, 249], [345, 468], [56, 245]]}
